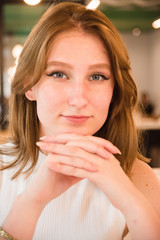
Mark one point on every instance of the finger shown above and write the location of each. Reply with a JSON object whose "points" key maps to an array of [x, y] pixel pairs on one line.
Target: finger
{"points": [[70, 161], [105, 143], [91, 147], [66, 137], [71, 151], [71, 171], [61, 138]]}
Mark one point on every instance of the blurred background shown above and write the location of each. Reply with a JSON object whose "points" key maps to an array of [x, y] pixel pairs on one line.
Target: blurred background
{"points": [[135, 20]]}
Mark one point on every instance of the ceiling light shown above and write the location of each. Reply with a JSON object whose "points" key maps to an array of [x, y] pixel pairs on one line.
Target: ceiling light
{"points": [[32, 2], [156, 24], [16, 51], [136, 31], [93, 4]]}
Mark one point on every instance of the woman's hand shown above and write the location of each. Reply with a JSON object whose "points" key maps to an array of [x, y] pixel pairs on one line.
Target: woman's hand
{"points": [[87, 157], [70, 158]]}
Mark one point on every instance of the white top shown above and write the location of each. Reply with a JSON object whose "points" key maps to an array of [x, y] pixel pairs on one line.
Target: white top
{"points": [[83, 212]]}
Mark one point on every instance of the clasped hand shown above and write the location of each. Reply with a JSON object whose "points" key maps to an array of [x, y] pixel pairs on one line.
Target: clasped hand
{"points": [[72, 157]]}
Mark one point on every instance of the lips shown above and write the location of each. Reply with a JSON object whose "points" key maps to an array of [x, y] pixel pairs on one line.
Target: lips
{"points": [[76, 119]]}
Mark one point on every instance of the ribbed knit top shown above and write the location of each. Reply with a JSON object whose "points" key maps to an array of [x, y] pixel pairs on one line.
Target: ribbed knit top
{"points": [[83, 212]]}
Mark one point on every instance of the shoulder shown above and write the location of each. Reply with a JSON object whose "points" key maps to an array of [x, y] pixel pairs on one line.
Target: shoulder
{"points": [[144, 178], [142, 173]]}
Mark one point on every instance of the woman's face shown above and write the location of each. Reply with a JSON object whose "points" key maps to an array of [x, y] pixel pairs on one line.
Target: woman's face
{"points": [[75, 91]]}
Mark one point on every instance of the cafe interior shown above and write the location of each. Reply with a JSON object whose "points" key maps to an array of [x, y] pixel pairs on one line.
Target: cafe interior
{"points": [[138, 22]]}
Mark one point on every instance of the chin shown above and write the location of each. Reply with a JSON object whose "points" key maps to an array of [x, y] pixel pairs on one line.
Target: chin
{"points": [[80, 131], [76, 130]]}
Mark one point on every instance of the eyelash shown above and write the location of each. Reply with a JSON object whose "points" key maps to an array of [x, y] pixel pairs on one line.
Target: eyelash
{"points": [[100, 75], [56, 72], [61, 73]]}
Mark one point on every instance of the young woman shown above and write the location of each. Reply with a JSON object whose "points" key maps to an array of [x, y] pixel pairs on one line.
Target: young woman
{"points": [[72, 169]]}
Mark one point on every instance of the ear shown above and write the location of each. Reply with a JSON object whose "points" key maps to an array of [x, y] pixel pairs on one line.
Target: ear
{"points": [[30, 94]]}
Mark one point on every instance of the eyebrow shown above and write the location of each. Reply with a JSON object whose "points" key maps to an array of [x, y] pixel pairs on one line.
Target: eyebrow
{"points": [[100, 65], [59, 63]]}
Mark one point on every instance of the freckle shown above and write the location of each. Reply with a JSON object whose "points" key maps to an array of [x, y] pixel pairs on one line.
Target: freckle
{"points": [[146, 185]]}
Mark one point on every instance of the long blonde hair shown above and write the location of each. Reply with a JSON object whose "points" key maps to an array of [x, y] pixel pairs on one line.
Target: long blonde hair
{"points": [[119, 127]]}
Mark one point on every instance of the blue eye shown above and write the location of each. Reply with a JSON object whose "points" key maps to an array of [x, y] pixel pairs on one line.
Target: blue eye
{"points": [[57, 75], [98, 77]]}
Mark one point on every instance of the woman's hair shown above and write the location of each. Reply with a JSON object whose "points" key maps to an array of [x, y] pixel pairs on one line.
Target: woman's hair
{"points": [[24, 125]]}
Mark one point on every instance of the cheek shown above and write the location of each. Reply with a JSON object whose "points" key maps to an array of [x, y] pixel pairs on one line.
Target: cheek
{"points": [[101, 108], [102, 102], [48, 99]]}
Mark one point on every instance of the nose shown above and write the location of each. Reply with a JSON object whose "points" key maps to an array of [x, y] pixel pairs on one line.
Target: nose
{"points": [[78, 94]]}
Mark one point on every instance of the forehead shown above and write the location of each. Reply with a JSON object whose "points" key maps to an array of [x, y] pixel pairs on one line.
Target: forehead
{"points": [[78, 44]]}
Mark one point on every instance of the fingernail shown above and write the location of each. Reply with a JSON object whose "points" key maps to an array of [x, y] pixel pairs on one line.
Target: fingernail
{"points": [[43, 138], [118, 151], [41, 144]]}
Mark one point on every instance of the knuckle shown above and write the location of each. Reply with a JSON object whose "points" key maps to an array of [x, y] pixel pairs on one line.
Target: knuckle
{"points": [[75, 171], [51, 147], [86, 164], [72, 160], [73, 150], [99, 149]]}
